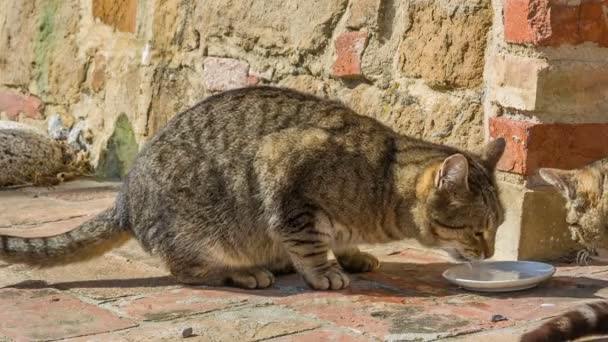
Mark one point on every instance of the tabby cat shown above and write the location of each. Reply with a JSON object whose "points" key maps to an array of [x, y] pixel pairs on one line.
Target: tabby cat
{"points": [[585, 191], [261, 180], [28, 157]]}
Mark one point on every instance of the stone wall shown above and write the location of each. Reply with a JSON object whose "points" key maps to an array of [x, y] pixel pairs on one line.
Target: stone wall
{"points": [[415, 65]]}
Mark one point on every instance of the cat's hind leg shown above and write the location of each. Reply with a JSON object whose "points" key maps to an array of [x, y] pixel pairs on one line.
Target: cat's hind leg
{"points": [[246, 277]]}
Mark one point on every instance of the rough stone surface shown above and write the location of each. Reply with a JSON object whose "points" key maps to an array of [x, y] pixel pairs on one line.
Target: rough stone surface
{"points": [[564, 91], [531, 146], [97, 75], [516, 81], [47, 314], [95, 61], [364, 13], [535, 225], [120, 14], [225, 74], [553, 23], [126, 296], [418, 111], [56, 129], [446, 55]]}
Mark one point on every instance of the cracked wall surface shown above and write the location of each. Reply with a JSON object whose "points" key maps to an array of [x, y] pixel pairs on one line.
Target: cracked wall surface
{"points": [[414, 65]]}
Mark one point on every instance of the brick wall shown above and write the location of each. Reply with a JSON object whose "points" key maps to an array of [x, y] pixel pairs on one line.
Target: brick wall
{"points": [[546, 93], [550, 84]]}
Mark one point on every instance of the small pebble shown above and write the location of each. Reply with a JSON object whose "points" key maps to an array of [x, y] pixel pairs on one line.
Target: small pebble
{"points": [[187, 333], [499, 318]]}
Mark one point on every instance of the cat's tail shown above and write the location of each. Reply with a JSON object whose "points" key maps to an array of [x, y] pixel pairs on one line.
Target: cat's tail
{"points": [[588, 319], [89, 240]]}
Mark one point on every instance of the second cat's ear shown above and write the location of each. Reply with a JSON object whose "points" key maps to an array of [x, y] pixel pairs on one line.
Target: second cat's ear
{"points": [[453, 175], [493, 151], [562, 180]]}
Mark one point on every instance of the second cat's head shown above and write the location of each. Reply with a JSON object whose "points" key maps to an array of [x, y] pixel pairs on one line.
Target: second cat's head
{"points": [[459, 209], [583, 190]]}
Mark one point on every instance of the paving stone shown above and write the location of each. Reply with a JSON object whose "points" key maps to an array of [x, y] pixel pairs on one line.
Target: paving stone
{"points": [[181, 302], [247, 324], [19, 211], [323, 335], [46, 314], [406, 299]]}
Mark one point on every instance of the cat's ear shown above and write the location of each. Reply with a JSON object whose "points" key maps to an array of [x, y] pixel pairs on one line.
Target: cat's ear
{"points": [[453, 175], [562, 180], [493, 151]]}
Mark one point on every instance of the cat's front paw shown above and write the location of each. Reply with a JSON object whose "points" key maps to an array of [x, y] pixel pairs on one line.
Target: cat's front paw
{"points": [[359, 262], [331, 279]]}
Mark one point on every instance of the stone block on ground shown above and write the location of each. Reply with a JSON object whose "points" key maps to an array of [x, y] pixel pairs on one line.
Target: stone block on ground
{"points": [[50, 315], [246, 324]]}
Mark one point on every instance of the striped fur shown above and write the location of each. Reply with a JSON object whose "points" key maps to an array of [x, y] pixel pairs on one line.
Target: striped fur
{"points": [[589, 319], [256, 181], [87, 241]]}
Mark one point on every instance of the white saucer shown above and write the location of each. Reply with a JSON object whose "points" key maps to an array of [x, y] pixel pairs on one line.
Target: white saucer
{"points": [[499, 276]]}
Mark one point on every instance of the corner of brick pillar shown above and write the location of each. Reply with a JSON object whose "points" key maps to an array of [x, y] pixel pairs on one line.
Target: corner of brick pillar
{"points": [[550, 111]]}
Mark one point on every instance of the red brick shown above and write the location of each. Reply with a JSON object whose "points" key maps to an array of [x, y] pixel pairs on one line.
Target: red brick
{"points": [[225, 73], [43, 315], [13, 103], [516, 22], [592, 14], [531, 146], [349, 48], [552, 23], [252, 80]]}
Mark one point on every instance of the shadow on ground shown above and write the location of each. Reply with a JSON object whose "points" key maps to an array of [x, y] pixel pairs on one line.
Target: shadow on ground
{"points": [[394, 279]]}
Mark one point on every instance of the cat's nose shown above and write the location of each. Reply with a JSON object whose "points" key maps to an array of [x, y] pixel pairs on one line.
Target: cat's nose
{"points": [[487, 251]]}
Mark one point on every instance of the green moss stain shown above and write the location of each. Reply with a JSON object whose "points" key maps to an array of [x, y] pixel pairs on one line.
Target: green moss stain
{"points": [[43, 43], [115, 161]]}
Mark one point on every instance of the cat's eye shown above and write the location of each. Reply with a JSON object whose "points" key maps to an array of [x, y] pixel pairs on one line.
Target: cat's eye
{"points": [[450, 226], [478, 234]]}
